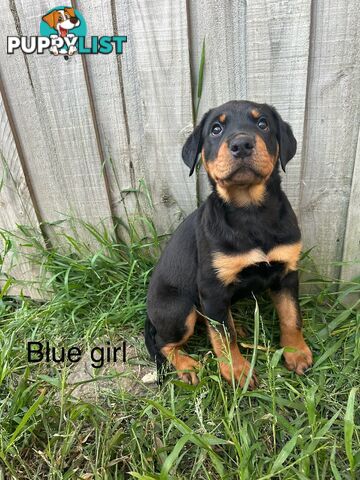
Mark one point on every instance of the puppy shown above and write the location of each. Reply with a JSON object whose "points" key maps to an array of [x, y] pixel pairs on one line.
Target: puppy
{"points": [[243, 239]]}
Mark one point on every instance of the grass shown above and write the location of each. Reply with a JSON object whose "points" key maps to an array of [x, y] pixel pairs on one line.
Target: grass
{"points": [[291, 427]]}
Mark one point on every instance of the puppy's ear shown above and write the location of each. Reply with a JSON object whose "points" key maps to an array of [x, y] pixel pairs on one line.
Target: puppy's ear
{"points": [[50, 18], [287, 141], [193, 145], [70, 11]]}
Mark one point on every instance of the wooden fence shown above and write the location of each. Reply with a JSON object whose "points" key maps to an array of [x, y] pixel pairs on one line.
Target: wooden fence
{"points": [[77, 136]]}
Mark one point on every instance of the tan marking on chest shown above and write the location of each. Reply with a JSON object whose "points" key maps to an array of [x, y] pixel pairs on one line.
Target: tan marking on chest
{"points": [[227, 267], [253, 194], [288, 254]]}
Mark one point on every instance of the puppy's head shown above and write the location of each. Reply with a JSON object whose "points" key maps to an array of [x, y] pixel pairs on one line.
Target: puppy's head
{"points": [[240, 144], [62, 20]]}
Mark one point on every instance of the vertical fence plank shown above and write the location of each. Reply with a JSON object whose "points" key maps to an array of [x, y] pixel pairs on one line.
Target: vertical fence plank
{"points": [[223, 26], [352, 232], [331, 131], [157, 91], [277, 48], [51, 110], [16, 209], [105, 73]]}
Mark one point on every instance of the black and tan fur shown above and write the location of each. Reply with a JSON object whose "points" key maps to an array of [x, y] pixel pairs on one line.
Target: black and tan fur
{"points": [[244, 238]]}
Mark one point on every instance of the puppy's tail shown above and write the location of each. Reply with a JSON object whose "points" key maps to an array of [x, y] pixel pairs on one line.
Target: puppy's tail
{"points": [[155, 354]]}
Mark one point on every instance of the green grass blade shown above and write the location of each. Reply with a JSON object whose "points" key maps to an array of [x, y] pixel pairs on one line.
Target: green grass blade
{"points": [[328, 353], [201, 71], [200, 82], [333, 466], [21, 427], [284, 453], [173, 456], [256, 342], [349, 426]]}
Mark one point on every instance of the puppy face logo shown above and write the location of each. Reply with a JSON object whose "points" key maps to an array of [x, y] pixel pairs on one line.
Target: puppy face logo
{"points": [[63, 25], [62, 20]]}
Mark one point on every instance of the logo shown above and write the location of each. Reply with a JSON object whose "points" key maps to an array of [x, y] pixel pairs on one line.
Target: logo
{"points": [[63, 32]]}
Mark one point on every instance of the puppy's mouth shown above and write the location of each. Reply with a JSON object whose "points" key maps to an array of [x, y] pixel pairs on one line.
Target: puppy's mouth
{"points": [[63, 31], [241, 175]]}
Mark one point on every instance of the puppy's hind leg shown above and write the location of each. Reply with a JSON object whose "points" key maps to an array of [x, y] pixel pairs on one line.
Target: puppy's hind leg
{"points": [[185, 365], [155, 354]]}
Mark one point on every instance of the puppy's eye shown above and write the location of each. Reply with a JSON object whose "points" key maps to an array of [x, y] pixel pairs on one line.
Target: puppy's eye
{"points": [[263, 124], [216, 129]]}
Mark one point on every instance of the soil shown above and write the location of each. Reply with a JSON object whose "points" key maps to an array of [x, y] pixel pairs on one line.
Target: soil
{"points": [[136, 375]]}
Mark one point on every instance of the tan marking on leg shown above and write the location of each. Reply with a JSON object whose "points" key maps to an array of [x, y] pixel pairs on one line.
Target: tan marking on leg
{"points": [[232, 364], [229, 266], [182, 362], [287, 254], [291, 334]]}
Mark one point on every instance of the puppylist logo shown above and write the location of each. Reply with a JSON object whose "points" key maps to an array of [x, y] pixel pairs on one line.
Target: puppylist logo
{"points": [[63, 33]]}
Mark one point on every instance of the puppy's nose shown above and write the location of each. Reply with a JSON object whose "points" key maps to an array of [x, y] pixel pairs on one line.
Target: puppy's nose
{"points": [[242, 146], [74, 20]]}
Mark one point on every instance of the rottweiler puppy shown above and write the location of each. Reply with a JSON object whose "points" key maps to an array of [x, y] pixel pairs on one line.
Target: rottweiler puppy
{"points": [[243, 239]]}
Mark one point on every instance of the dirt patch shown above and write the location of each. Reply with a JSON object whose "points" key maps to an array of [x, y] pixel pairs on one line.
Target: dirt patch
{"points": [[136, 375]]}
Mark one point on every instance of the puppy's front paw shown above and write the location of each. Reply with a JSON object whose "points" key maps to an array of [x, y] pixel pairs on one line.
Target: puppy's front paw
{"points": [[298, 360], [186, 370], [239, 372]]}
